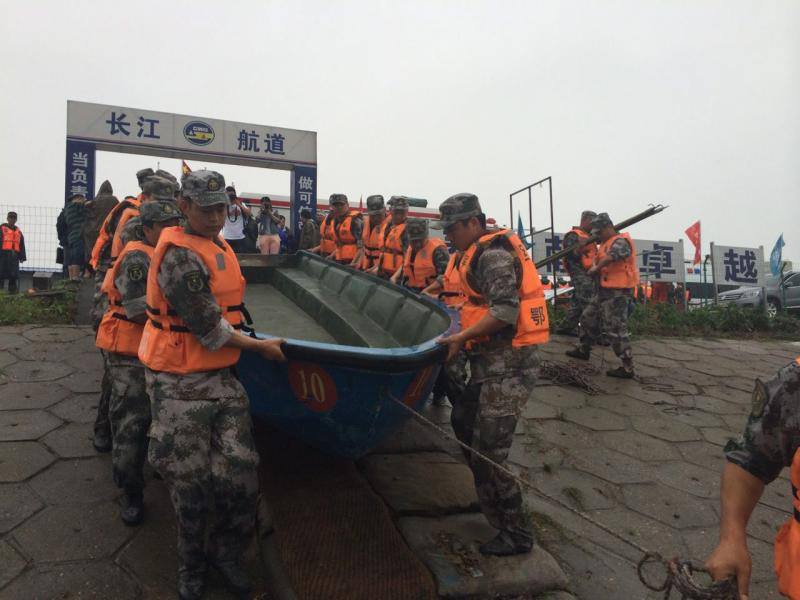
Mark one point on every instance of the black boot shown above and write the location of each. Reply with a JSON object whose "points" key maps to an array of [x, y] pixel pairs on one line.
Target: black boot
{"points": [[621, 373], [579, 353], [508, 544], [191, 584], [236, 578], [102, 440], [133, 512]]}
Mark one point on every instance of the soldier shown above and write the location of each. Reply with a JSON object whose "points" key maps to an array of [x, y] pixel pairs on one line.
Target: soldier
{"points": [[327, 232], [373, 233], [426, 258], [119, 335], [577, 264], [395, 239], [615, 264], [12, 253], [770, 442], [502, 322], [200, 437], [309, 232], [347, 227]]}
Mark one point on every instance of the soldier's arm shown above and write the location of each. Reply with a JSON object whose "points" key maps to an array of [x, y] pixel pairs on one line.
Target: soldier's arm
{"points": [[497, 276], [131, 282], [357, 229], [620, 250], [571, 241], [441, 258]]}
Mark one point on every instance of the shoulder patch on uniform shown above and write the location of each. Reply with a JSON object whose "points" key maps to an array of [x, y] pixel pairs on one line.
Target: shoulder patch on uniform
{"points": [[759, 399], [194, 281], [135, 272]]}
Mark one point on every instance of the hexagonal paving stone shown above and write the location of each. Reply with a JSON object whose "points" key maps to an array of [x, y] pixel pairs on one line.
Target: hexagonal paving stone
{"points": [[717, 435], [704, 454], [691, 416], [85, 361], [12, 341], [765, 522], [665, 429], [689, 478], [71, 532], [18, 425], [539, 410], [577, 489], [742, 384], [83, 383], [672, 507], [78, 408], [657, 361], [719, 406], [20, 460], [609, 465], [596, 419], [654, 397], [560, 433], [559, 396], [645, 531], [532, 456], [43, 351], [97, 580], [24, 396], [54, 334], [6, 358], [17, 503], [622, 405], [74, 440], [673, 386], [638, 445], [29, 370], [735, 423], [87, 480], [11, 564]]}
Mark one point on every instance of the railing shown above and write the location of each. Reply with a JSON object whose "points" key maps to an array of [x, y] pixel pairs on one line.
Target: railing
{"points": [[38, 226]]}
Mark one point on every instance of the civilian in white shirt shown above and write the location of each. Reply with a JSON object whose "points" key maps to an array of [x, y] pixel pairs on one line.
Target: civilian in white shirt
{"points": [[233, 229]]}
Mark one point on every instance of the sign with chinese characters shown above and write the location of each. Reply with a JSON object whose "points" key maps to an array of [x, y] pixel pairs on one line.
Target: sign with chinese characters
{"points": [[125, 129], [304, 194], [80, 169], [738, 266], [545, 244], [660, 261]]}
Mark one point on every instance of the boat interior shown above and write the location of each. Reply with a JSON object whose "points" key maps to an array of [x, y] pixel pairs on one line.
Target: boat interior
{"points": [[305, 297]]}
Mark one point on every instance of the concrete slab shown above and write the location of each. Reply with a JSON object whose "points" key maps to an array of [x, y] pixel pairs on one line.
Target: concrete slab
{"points": [[577, 489], [718, 435], [73, 440], [85, 580], [29, 370], [21, 425], [704, 454], [561, 433], [83, 383], [672, 507], [76, 481], [17, 503], [25, 396], [43, 351], [647, 532], [55, 334], [6, 358], [448, 546], [11, 563], [622, 405], [607, 464], [639, 445], [424, 483], [665, 429], [596, 419], [85, 361], [539, 410], [12, 341], [559, 396], [20, 460], [78, 408], [693, 479], [533, 456]]}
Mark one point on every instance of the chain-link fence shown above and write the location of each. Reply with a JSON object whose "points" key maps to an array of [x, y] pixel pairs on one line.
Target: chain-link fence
{"points": [[38, 226]]}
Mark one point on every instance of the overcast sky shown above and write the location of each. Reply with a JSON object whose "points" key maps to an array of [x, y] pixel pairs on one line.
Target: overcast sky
{"points": [[692, 104]]}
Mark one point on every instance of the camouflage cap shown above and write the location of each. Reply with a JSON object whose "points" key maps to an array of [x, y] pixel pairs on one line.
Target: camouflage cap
{"points": [[417, 229], [204, 187], [375, 205], [160, 188], [337, 199], [457, 208], [398, 203], [159, 211], [602, 220], [588, 214], [143, 174]]}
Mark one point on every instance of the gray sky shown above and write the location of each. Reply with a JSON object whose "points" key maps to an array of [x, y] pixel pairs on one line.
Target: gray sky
{"points": [[625, 103]]}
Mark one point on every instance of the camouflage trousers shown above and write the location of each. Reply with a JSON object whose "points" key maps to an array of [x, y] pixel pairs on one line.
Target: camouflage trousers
{"points": [[607, 314], [102, 424], [204, 450], [99, 300], [584, 289], [129, 413], [485, 417]]}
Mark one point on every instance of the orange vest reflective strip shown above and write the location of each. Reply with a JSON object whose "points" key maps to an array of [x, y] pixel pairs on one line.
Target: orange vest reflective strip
{"points": [[373, 242], [327, 235], [116, 332], [421, 272], [588, 251], [621, 273], [167, 344], [12, 238], [787, 542], [104, 238], [392, 253], [346, 246], [532, 325], [451, 283]]}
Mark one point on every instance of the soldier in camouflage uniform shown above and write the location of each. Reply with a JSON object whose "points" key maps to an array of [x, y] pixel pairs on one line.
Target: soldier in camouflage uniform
{"points": [[584, 286], [502, 376], [129, 405], [770, 442], [607, 313], [201, 433]]}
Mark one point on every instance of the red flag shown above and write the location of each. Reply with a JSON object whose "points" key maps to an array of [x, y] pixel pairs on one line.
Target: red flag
{"points": [[185, 168], [693, 233]]}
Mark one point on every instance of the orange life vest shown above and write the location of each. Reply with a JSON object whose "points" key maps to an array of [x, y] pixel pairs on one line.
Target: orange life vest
{"points": [[451, 293], [12, 238], [619, 274], [547, 286], [108, 229], [392, 253], [346, 246], [588, 251], [116, 242], [421, 271], [116, 332], [327, 236], [373, 242], [167, 344], [532, 325]]}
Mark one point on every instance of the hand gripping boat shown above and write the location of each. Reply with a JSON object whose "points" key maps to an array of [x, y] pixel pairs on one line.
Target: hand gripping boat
{"points": [[353, 342]]}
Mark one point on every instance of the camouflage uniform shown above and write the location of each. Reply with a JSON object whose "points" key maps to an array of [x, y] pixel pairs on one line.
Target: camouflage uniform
{"points": [[772, 434], [607, 313], [201, 438], [584, 285]]}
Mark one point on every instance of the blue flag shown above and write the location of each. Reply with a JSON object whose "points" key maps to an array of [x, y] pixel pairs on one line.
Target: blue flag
{"points": [[776, 256], [521, 232]]}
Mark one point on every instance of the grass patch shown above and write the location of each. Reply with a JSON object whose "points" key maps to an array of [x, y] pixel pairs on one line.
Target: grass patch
{"points": [[48, 310]]}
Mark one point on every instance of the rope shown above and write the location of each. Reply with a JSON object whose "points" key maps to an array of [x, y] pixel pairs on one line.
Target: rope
{"points": [[571, 373], [679, 573]]}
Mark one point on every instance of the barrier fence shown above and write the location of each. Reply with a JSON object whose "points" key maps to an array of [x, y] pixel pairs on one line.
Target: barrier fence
{"points": [[38, 226]]}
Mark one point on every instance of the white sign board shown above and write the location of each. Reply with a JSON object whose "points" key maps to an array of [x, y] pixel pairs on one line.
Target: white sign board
{"points": [[125, 129], [732, 265]]}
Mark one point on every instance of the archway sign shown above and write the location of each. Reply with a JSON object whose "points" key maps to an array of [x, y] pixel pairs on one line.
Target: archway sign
{"points": [[92, 127]]}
